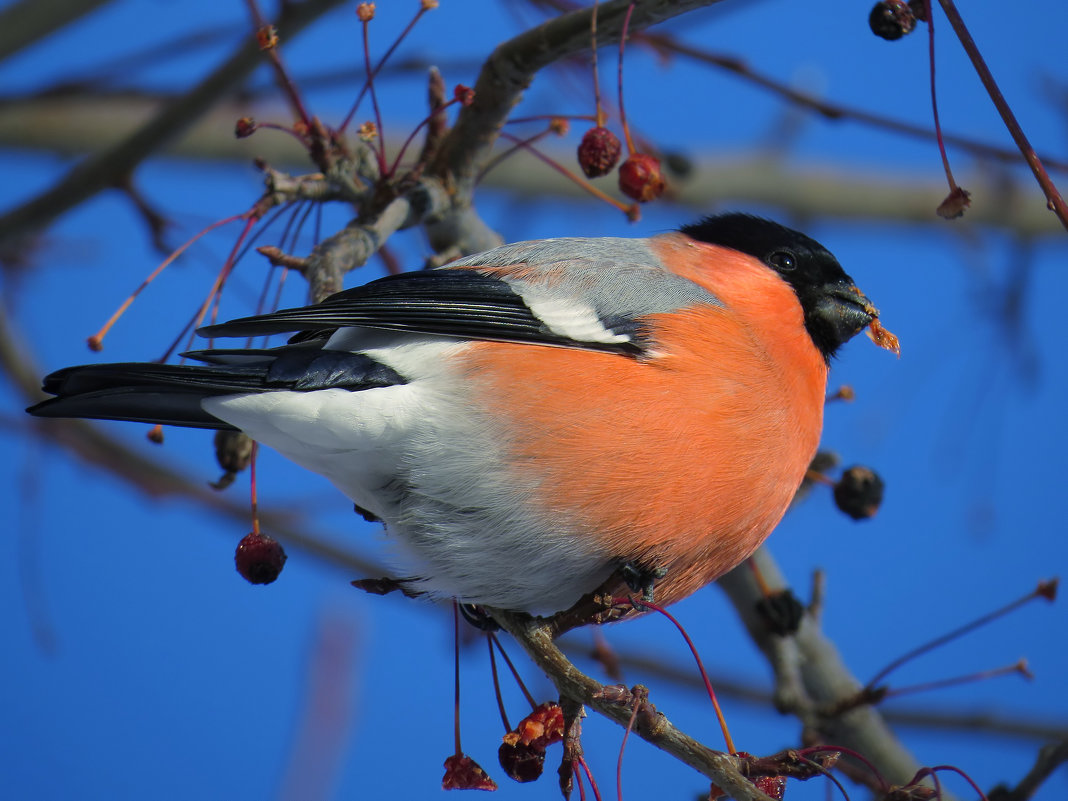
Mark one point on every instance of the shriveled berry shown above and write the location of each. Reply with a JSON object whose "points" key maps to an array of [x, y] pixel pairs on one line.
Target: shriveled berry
{"points": [[640, 177], [463, 773], [598, 152], [522, 763], [782, 612], [859, 492], [259, 558], [891, 19], [233, 452], [955, 203], [775, 786]]}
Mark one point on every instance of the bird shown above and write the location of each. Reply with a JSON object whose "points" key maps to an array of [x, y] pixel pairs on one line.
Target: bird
{"points": [[534, 421]]}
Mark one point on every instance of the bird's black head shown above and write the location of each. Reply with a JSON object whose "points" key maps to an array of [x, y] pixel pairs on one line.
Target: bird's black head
{"points": [[835, 310]]}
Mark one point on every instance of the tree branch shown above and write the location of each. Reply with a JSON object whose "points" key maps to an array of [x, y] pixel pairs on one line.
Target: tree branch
{"points": [[104, 169]]}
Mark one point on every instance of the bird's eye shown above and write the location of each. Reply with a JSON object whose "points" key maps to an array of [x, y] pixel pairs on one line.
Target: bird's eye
{"points": [[782, 261]]}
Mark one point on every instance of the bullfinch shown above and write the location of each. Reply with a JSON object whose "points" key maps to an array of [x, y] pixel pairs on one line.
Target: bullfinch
{"points": [[532, 420]]}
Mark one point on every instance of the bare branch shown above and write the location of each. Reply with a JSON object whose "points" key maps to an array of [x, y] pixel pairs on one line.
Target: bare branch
{"points": [[810, 675], [106, 168], [25, 22], [535, 637], [512, 66]]}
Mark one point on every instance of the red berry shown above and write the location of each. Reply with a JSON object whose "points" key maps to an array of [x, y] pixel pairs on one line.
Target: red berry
{"points": [[859, 492], [598, 152], [259, 558], [640, 177]]}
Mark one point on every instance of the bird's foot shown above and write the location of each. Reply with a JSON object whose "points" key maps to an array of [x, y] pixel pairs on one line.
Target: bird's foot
{"points": [[478, 617], [641, 580]]}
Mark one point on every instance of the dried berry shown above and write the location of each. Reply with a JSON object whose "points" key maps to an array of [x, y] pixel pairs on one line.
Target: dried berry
{"points": [[233, 452], [463, 773], [259, 558], [782, 612], [522, 763], [859, 492], [365, 12], [775, 786], [598, 152], [891, 19], [955, 203], [544, 726], [640, 177]]}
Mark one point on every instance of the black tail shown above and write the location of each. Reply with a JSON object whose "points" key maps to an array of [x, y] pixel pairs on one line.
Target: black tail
{"points": [[172, 394]]}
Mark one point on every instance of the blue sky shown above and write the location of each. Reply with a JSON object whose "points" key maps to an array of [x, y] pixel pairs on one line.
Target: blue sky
{"points": [[138, 664]]}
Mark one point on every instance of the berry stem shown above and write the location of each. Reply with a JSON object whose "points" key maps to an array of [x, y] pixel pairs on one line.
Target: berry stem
{"points": [[378, 67], [381, 149], [456, 675], [1054, 201], [589, 777], [596, 80], [515, 673], [415, 130], [284, 81], [253, 490], [622, 111], [631, 211], [701, 667], [637, 701], [1038, 592], [1018, 667], [497, 684], [934, 98], [96, 340]]}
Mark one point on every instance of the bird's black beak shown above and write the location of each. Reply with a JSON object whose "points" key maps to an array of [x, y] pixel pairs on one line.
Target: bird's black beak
{"points": [[838, 312], [844, 311]]}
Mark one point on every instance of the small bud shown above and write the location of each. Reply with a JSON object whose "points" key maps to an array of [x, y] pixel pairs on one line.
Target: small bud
{"points": [[1048, 589], [429, 5], [155, 434], [368, 131], [598, 152], [464, 95], [640, 177], [463, 773], [95, 343], [559, 126], [891, 19], [267, 37], [365, 12], [859, 492], [246, 126], [259, 558]]}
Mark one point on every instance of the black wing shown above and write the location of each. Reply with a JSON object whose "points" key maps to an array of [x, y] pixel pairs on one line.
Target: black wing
{"points": [[452, 302]]}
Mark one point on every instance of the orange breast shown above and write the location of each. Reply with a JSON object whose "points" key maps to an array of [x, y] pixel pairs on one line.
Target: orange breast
{"points": [[684, 460]]}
